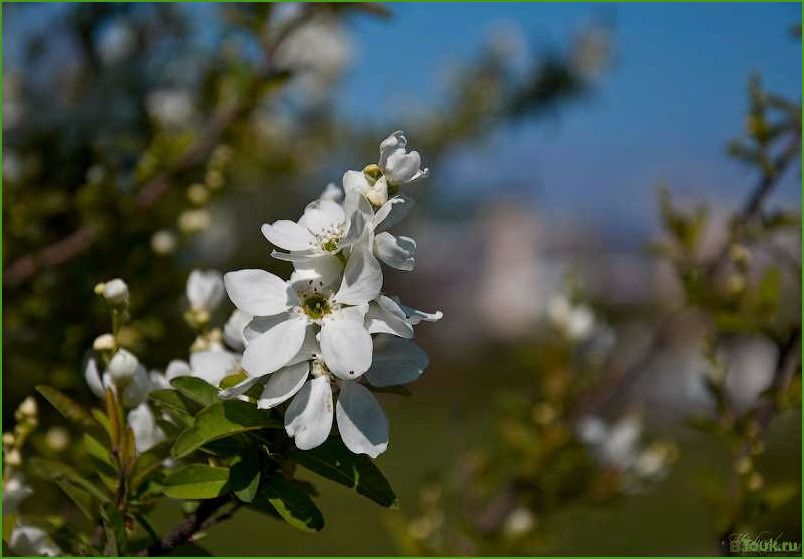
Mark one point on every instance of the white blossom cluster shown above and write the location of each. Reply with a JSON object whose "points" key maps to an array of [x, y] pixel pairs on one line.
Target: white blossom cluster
{"points": [[330, 332], [132, 382]]}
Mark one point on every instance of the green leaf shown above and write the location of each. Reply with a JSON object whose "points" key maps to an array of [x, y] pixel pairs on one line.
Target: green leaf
{"points": [[222, 419], [778, 494], [56, 471], [177, 407], [115, 529], [232, 380], [293, 504], [244, 476], [82, 499], [334, 461], [147, 462], [196, 389], [70, 409], [196, 481]]}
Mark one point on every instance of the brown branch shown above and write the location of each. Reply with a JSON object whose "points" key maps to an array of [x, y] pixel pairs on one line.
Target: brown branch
{"points": [[80, 240], [202, 518]]}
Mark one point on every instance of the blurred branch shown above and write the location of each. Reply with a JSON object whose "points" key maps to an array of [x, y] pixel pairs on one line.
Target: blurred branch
{"points": [[201, 519], [77, 242]]}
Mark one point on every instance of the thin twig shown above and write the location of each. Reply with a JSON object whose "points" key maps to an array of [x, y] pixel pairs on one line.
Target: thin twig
{"points": [[202, 518]]}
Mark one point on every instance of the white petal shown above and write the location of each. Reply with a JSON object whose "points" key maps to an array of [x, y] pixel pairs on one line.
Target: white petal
{"points": [[361, 421], [137, 388], [324, 269], [233, 329], [392, 212], [397, 252], [321, 215], [257, 292], [147, 433], [205, 289], [332, 192], [93, 377], [396, 361], [362, 276], [283, 384], [276, 345], [416, 316], [241, 388], [377, 193], [355, 181], [212, 366], [308, 418], [402, 167], [177, 368], [346, 345], [393, 143], [385, 316], [288, 235]]}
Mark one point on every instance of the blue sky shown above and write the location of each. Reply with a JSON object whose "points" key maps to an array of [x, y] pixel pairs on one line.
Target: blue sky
{"points": [[674, 96]]}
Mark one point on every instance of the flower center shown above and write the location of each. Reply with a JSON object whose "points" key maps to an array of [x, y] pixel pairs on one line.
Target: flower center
{"points": [[316, 306]]}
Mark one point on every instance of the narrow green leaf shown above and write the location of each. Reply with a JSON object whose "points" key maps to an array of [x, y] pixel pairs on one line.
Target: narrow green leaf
{"points": [[147, 462], [244, 477], [232, 380], [334, 461], [293, 504], [115, 530], [82, 499], [196, 481], [196, 389], [219, 420], [174, 405], [70, 409], [57, 471]]}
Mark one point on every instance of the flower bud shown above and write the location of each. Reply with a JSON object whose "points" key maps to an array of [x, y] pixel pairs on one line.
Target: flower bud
{"points": [[104, 342], [163, 242], [198, 194], [194, 221], [205, 289], [123, 366], [28, 407], [13, 457], [8, 439], [116, 292], [57, 438]]}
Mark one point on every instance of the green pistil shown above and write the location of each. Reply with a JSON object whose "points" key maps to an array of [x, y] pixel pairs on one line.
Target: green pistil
{"points": [[316, 306], [330, 245]]}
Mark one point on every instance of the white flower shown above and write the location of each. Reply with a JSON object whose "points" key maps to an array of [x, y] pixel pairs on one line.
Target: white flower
{"points": [[575, 321], [615, 445], [209, 365], [388, 315], [361, 422], [324, 229], [205, 290], [116, 291], [132, 389], [15, 491], [284, 311], [32, 541], [123, 366], [396, 167], [147, 433], [519, 522], [233, 329]]}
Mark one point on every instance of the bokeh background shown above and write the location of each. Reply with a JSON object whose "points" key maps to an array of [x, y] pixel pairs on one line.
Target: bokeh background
{"points": [[549, 130]]}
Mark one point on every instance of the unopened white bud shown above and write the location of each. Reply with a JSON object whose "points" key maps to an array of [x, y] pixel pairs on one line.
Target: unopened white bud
{"points": [[123, 366], [205, 289], [13, 457], [8, 439], [163, 242], [194, 221], [104, 342], [57, 438], [116, 291], [28, 407]]}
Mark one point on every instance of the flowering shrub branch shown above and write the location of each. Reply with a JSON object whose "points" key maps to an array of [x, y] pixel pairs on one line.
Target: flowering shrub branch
{"points": [[256, 398]]}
